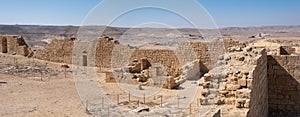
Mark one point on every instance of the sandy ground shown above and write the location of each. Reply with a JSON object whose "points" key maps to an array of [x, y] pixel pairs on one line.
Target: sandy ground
{"points": [[23, 97]]}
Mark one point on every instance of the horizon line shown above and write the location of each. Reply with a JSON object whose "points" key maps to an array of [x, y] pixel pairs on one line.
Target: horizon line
{"points": [[72, 25]]}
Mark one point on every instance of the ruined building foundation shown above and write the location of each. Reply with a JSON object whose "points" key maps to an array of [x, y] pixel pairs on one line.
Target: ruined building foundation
{"points": [[247, 80]]}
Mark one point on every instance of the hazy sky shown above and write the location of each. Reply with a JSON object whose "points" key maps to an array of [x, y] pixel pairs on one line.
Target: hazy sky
{"points": [[226, 13]]}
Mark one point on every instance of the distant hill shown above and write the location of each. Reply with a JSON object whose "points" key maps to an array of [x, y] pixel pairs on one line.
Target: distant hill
{"points": [[40, 35]]}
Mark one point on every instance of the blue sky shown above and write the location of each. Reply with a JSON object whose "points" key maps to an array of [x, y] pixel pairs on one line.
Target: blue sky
{"points": [[226, 13]]}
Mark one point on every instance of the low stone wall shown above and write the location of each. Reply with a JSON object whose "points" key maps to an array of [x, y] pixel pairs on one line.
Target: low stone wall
{"points": [[284, 85]]}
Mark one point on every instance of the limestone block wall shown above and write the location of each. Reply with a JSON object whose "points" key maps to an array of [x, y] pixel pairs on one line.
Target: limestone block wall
{"points": [[14, 44], [59, 50], [208, 52], [104, 51], [284, 85], [242, 83], [84, 52], [202, 51], [102, 54], [259, 89], [167, 58], [98, 51]]}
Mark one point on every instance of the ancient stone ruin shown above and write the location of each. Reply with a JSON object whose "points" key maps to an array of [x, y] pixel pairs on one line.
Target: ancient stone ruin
{"points": [[14, 44], [245, 80]]}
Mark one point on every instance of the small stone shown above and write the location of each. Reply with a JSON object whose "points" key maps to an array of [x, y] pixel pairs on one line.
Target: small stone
{"points": [[220, 101], [207, 75], [250, 75], [247, 103], [201, 82], [227, 58], [238, 49], [231, 94], [245, 72], [224, 80], [231, 87], [230, 101], [242, 82], [207, 78], [206, 85], [240, 58], [211, 96], [248, 49], [249, 83], [221, 57], [140, 87], [239, 75], [204, 92], [222, 86], [219, 63], [240, 103], [224, 92]]}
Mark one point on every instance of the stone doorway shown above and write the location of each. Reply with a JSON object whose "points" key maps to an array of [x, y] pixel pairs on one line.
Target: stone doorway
{"points": [[84, 58], [4, 45]]}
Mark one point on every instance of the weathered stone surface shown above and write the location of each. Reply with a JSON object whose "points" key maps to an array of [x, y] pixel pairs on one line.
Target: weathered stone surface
{"points": [[283, 84], [14, 44], [231, 87], [242, 82]]}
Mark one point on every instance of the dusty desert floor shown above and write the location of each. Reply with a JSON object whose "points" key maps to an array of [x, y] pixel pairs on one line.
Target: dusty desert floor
{"points": [[27, 97], [25, 94]]}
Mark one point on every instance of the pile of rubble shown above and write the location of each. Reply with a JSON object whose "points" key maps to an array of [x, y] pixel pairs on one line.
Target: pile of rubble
{"points": [[143, 73], [28, 71], [189, 71], [137, 72], [231, 82]]}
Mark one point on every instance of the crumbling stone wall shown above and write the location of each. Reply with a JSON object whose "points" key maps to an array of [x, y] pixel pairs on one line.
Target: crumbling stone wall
{"points": [[207, 52], [287, 50], [241, 83], [59, 50], [104, 52], [14, 44], [228, 43], [259, 89], [284, 85], [201, 49], [167, 58]]}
